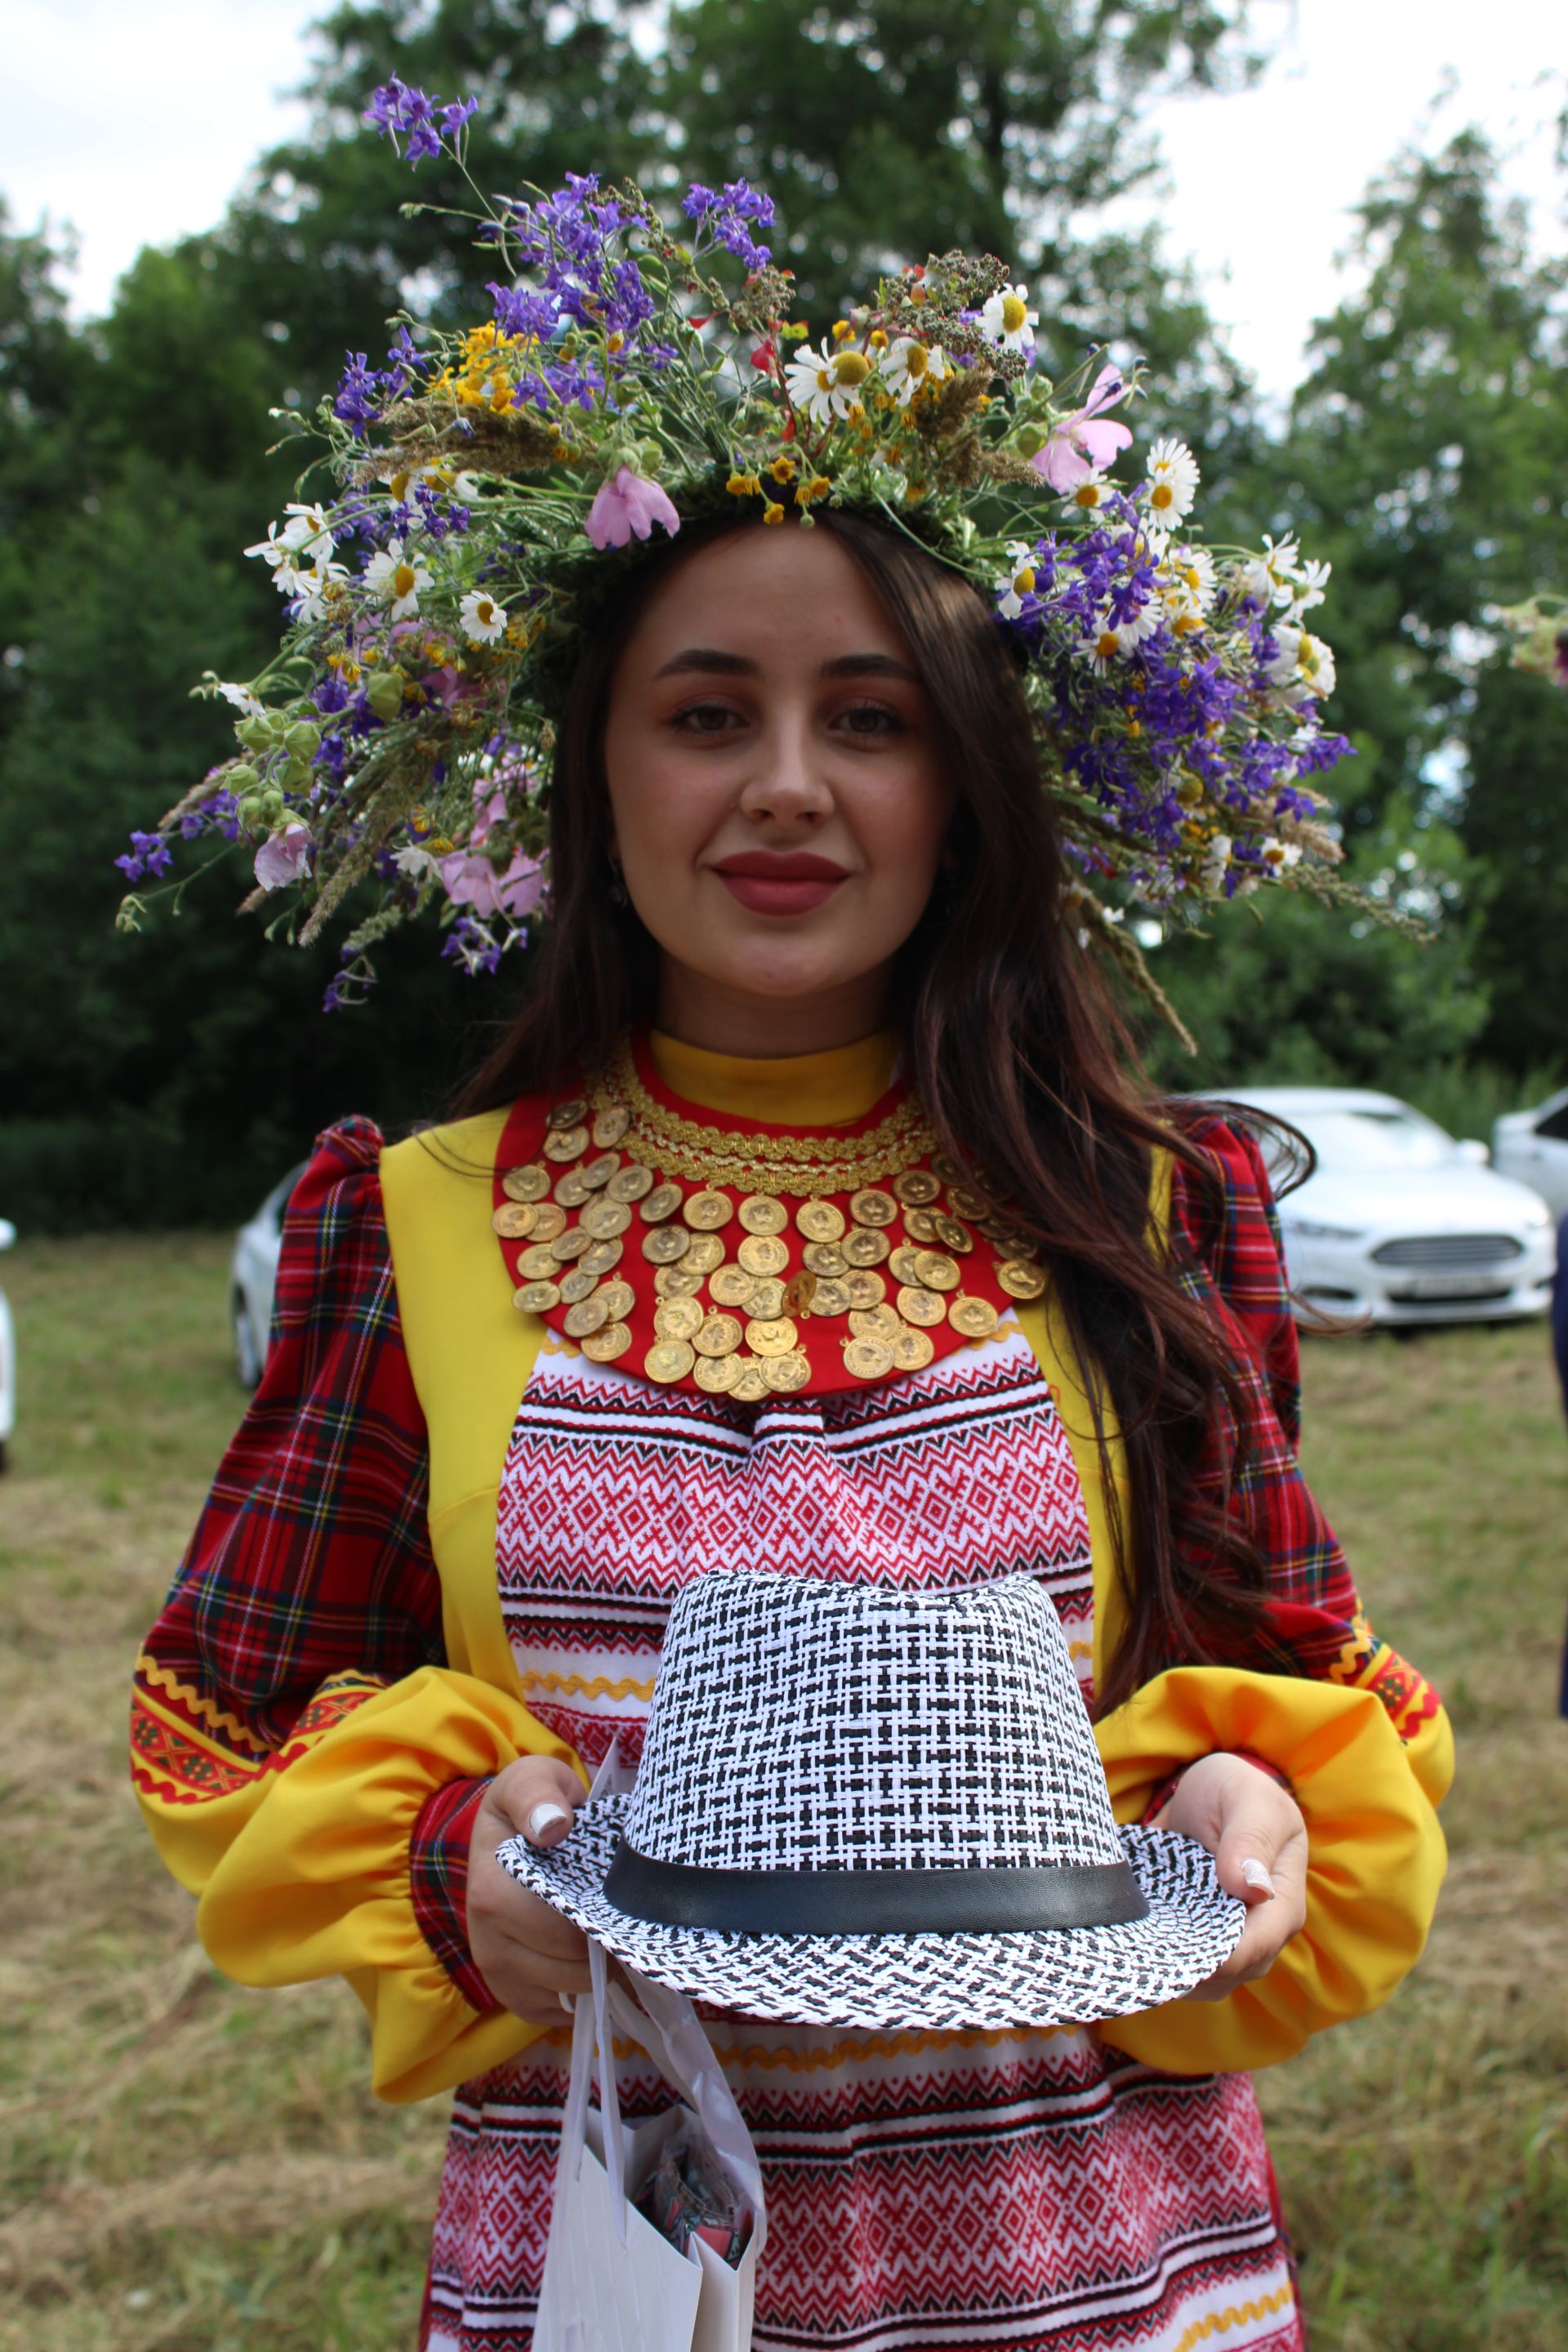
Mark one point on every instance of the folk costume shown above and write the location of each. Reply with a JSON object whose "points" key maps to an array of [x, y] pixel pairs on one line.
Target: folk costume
{"points": [[448, 1533]]}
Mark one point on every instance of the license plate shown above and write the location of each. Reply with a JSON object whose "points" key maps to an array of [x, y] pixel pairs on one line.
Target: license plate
{"points": [[1452, 1285]]}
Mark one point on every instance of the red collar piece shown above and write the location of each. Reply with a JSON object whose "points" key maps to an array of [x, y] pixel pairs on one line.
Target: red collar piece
{"points": [[705, 1251]]}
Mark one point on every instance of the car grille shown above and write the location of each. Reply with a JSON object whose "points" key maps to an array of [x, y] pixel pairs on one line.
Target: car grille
{"points": [[1450, 1250]]}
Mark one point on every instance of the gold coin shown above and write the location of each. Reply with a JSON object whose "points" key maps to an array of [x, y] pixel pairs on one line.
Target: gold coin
{"points": [[619, 1298], [866, 1289], [549, 1220], [677, 1319], [717, 1374], [567, 1143], [588, 1316], [965, 1201], [571, 1245], [825, 1258], [954, 1236], [920, 1227], [662, 1202], [630, 1183], [875, 1323], [605, 1346], [570, 1191], [538, 1264], [705, 1253], [606, 1219], [902, 1265], [913, 1351], [567, 1115], [866, 1360], [766, 1298], [761, 1214], [800, 1293], [947, 1170], [600, 1256], [668, 1359], [862, 1246], [916, 1187], [925, 1307], [610, 1125], [975, 1318], [936, 1271], [763, 1253], [513, 1221], [536, 1297], [664, 1243], [1020, 1277], [578, 1283], [676, 1282], [596, 1174], [819, 1220], [529, 1183], [872, 1206], [706, 1210], [749, 1386], [831, 1298], [720, 1335], [784, 1374], [731, 1285], [771, 1336]]}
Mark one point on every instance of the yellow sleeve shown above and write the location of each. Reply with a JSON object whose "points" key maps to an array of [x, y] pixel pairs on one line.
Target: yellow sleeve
{"points": [[1376, 1854]]}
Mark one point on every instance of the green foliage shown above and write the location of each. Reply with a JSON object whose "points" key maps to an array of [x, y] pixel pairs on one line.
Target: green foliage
{"points": [[1515, 825]]}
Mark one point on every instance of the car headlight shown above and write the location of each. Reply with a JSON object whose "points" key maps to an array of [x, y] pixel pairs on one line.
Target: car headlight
{"points": [[1538, 1216], [1305, 1230]]}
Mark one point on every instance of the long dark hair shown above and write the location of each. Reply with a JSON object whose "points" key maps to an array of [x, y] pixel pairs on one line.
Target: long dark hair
{"points": [[1026, 1071]]}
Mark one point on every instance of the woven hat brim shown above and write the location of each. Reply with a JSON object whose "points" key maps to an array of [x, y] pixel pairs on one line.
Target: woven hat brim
{"points": [[940, 1983]]}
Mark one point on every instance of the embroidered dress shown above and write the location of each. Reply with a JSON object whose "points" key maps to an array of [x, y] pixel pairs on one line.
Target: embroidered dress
{"points": [[328, 1653]]}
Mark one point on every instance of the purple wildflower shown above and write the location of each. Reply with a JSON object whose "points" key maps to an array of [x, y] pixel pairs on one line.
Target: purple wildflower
{"points": [[149, 854], [396, 111]]}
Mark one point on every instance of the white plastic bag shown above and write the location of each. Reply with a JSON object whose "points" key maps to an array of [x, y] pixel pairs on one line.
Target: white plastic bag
{"points": [[612, 2282]]}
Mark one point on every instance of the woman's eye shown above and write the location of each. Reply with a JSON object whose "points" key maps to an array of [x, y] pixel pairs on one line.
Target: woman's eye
{"points": [[870, 719], [706, 718]]}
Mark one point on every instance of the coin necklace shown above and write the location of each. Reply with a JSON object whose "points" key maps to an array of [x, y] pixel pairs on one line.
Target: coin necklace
{"points": [[735, 1240]]}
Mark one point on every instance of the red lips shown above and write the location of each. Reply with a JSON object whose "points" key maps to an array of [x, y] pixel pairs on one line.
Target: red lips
{"points": [[779, 881]]}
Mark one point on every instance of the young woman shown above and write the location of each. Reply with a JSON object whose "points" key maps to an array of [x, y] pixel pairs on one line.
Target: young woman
{"points": [[809, 971]]}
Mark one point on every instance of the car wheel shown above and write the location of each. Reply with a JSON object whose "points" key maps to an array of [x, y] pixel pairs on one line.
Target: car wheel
{"points": [[247, 1355]]}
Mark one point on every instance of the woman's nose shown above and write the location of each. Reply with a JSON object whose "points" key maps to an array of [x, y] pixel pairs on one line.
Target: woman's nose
{"points": [[786, 783]]}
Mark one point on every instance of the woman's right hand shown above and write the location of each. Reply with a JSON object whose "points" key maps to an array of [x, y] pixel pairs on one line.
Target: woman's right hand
{"points": [[526, 1952]]}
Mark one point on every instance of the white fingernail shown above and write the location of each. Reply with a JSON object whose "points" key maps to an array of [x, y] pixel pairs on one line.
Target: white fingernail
{"points": [[545, 1817], [1255, 1874]]}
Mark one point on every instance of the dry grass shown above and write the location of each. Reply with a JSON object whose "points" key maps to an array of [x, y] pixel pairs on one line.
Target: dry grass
{"points": [[190, 2168]]}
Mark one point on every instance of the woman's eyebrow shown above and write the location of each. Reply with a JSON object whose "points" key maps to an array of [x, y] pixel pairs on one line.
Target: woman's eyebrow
{"points": [[711, 658], [708, 658], [867, 665]]}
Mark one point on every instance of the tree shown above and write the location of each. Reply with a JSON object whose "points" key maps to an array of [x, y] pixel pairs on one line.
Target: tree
{"points": [[1514, 823]]}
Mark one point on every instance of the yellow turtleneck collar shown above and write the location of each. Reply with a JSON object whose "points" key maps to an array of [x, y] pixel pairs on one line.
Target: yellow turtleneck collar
{"points": [[797, 1090]]}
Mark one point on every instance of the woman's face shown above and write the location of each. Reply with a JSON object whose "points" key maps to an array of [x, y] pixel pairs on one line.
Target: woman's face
{"points": [[777, 792]]}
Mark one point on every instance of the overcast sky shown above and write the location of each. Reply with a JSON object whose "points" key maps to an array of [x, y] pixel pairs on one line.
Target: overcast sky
{"points": [[134, 124]]}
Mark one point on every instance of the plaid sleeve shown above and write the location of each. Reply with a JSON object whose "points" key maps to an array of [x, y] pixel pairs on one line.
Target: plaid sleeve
{"points": [[1226, 1242]]}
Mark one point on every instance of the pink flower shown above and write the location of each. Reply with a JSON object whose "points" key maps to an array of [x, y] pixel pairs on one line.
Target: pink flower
{"points": [[473, 881], [628, 504], [284, 858], [1085, 444]]}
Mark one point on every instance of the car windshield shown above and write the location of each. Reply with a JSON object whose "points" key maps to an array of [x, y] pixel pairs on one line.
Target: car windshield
{"points": [[1375, 1139]]}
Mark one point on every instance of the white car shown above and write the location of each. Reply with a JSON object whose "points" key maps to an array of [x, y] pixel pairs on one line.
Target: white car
{"points": [[7, 1354], [1532, 1145], [1400, 1224], [252, 1274]]}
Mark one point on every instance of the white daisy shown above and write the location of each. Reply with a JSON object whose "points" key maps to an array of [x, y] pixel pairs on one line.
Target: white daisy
{"points": [[1217, 860], [1302, 669], [908, 363], [1312, 580], [1249, 581], [1016, 580], [1103, 646], [395, 580], [1173, 484], [1281, 855], [826, 383], [1006, 319], [308, 533], [248, 705], [1188, 584], [1093, 492], [1282, 564], [1316, 663], [414, 861], [312, 590], [272, 550], [482, 617]]}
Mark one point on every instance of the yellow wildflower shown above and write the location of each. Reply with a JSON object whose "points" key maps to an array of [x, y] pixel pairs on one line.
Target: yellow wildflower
{"points": [[744, 486], [771, 513], [783, 470]]}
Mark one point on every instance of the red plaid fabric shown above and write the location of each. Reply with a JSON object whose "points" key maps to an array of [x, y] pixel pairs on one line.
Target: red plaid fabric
{"points": [[311, 1565]]}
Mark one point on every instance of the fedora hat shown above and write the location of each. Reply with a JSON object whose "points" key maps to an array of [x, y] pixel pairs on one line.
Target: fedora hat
{"points": [[863, 1805]]}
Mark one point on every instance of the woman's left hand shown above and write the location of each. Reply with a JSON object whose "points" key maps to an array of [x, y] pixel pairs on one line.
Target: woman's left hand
{"points": [[1256, 1833]]}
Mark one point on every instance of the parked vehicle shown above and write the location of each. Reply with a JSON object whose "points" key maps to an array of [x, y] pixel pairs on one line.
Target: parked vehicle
{"points": [[1533, 1146], [252, 1274], [1399, 1222], [7, 1354]]}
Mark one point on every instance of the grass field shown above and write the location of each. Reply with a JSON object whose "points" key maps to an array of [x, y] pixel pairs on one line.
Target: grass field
{"points": [[190, 2168]]}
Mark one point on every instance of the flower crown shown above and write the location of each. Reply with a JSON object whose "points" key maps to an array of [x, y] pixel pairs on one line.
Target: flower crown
{"points": [[489, 486]]}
